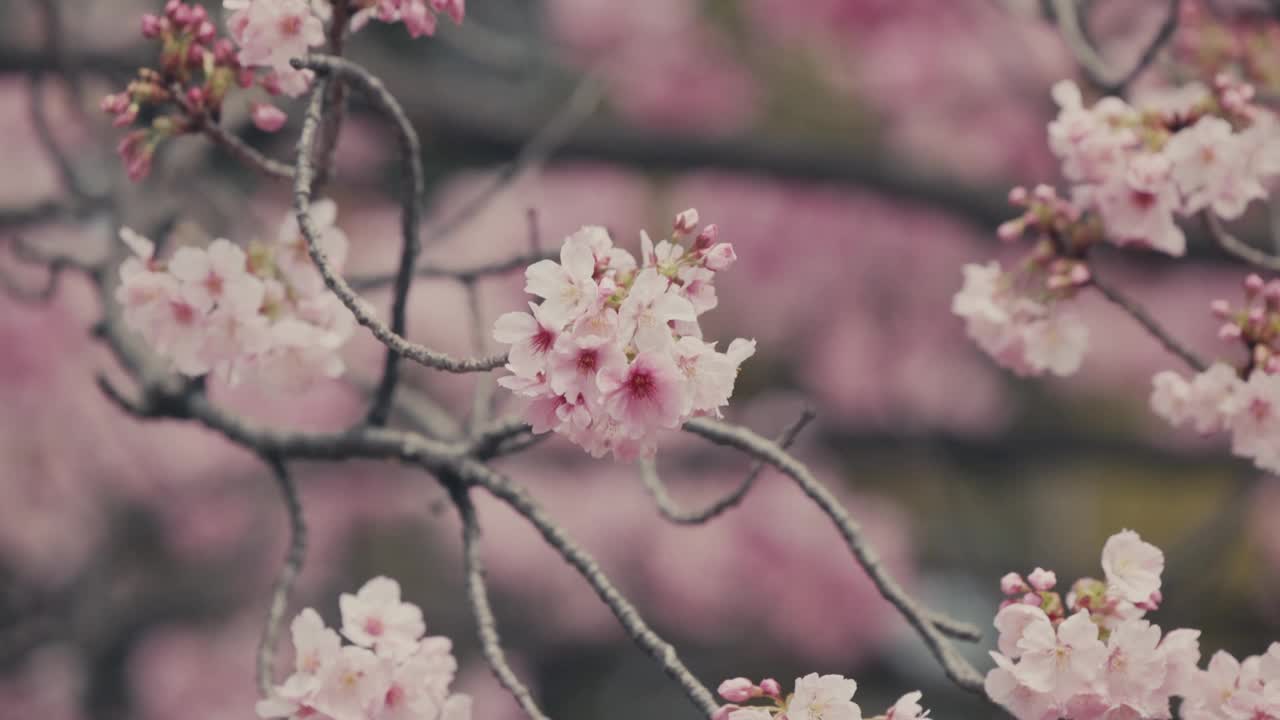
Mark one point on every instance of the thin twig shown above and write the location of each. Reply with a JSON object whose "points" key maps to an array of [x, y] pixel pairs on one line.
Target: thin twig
{"points": [[1238, 248], [556, 537], [486, 624], [1067, 15], [482, 396], [412, 184], [1137, 312], [580, 106], [470, 274], [953, 663], [245, 152], [288, 573], [363, 312], [672, 511]]}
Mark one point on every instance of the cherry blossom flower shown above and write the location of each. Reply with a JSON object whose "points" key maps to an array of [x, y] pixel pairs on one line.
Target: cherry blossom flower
{"points": [[531, 336], [1138, 206], [376, 618], [646, 394], [829, 697], [270, 32], [1210, 167], [567, 288], [907, 708], [1132, 566]]}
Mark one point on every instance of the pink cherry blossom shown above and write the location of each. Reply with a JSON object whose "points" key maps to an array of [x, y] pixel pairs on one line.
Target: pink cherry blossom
{"points": [[646, 394], [907, 708], [376, 618], [829, 697], [1063, 662], [1137, 207], [644, 316], [531, 335], [268, 117], [1210, 167], [1132, 566], [567, 288], [270, 32]]}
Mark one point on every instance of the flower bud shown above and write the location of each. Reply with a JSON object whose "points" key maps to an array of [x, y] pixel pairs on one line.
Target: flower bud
{"points": [[720, 257], [738, 690], [1011, 230], [770, 687], [1229, 332], [1042, 580], [686, 221], [1221, 309], [1013, 584], [706, 238], [1253, 285], [150, 26], [268, 118], [1018, 196]]}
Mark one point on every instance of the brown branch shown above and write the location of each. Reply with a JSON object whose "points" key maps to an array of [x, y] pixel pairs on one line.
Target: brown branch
{"points": [[363, 312], [288, 573], [1137, 312], [925, 622], [244, 152], [1236, 247], [672, 511], [1067, 14], [478, 595]]}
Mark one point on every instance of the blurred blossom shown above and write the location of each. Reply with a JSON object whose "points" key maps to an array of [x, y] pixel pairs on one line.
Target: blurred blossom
{"points": [[48, 685], [177, 671]]}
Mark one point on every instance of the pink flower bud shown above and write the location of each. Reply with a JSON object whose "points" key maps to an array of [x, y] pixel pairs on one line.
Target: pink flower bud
{"points": [[1042, 580], [720, 257], [1032, 599], [181, 14], [1253, 284], [1080, 275], [770, 687], [198, 14], [1221, 309], [246, 77], [1010, 230], [195, 97], [206, 32], [268, 118], [686, 221], [1013, 584], [1229, 331], [1018, 196], [738, 690], [1044, 193], [706, 238], [150, 26], [455, 9], [195, 55]]}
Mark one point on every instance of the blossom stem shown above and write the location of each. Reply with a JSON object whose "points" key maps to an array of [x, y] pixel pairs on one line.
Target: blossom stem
{"points": [[288, 574]]}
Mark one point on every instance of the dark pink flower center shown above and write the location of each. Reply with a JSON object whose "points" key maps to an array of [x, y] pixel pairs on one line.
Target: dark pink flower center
{"points": [[183, 313], [290, 25], [213, 283], [543, 340], [641, 385], [588, 360], [373, 626], [1260, 409], [1142, 199], [395, 695]]}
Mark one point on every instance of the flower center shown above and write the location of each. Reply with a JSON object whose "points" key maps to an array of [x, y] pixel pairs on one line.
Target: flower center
{"points": [[374, 626], [1142, 199], [641, 385], [587, 361], [290, 25]]}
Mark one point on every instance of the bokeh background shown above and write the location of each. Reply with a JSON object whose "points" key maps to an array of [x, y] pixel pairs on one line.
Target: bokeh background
{"points": [[856, 152]]}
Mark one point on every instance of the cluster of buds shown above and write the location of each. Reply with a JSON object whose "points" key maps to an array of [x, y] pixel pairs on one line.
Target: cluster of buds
{"points": [[195, 71], [1256, 323], [825, 697], [1209, 42], [1059, 229], [1035, 590], [419, 16]]}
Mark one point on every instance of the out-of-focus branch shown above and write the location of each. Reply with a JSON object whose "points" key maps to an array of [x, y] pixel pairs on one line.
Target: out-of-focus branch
{"points": [[1238, 248], [580, 105], [1149, 323], [478, 595], [672, 511], [55, 265], [555, 536], [412, 188], [245, 152], [288, 573], [361, 309], [925, 622], [1068, 16]]}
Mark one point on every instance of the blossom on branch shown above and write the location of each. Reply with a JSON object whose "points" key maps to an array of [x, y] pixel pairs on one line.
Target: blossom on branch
{"points": [[614, 355]]}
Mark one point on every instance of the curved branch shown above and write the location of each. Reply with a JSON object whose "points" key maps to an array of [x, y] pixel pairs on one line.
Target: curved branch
{"points": [[1066, 13], [959, 669], [486, 625], [288, 573], [244, 152], [555, 536], [672, 511], [363, 312], [1137, 312], [412, 187], [1238, 248]]}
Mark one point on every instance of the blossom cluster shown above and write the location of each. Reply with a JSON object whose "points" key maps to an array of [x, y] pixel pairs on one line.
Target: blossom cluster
{"points": [[389, 671], [816, 697], [614, 353], [1093, 655], [265, 313], [1133, 172], [1242, 401], [1210, 41]]}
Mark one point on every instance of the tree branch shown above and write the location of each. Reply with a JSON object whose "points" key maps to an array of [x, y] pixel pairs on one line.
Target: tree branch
{"points": [[486, 625], [1236, 247], [244, 152], [1067, 15], [1137, 312], [288, 573], [925, 622], [361, 309], [555, 536], [672, 511]]}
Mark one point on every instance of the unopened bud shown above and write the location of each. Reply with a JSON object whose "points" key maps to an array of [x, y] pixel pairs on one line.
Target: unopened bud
{"points": [[1013, 584], [1010, 230], [706, 238], [1221, 309], [770, 687], [1042, 580], [738, 690], [151, 26], [1253, 284], [686, 221], [1018, 196]]}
